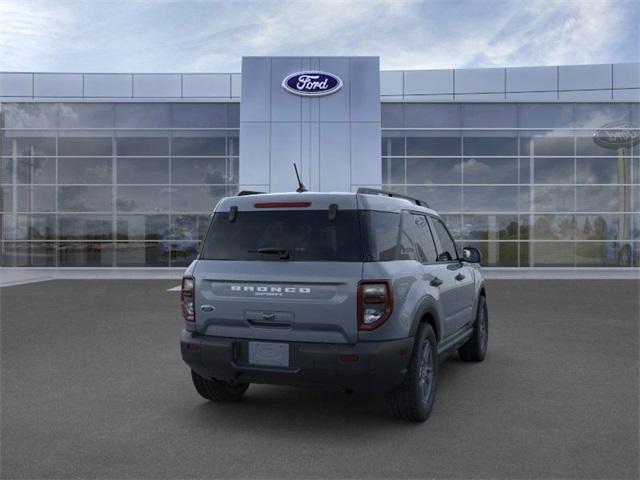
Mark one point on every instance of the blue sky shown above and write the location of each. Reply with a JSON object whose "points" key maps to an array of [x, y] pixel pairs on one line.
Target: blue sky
{"points": [[212, 36]]}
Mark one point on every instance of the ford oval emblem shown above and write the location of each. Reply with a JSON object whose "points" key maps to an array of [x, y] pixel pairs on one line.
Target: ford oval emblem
{"points": [[312, 83], [617, 135]]}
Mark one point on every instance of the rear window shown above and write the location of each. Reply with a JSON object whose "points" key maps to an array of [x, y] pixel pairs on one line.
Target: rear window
{"points": [[305, 235]]}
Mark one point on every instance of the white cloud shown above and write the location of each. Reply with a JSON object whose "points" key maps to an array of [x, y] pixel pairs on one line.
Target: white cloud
{"points": [[100, 35]]}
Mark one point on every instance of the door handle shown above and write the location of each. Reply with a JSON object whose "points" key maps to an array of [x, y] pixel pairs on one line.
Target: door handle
{"points": [[459, 277], [436, 282]]}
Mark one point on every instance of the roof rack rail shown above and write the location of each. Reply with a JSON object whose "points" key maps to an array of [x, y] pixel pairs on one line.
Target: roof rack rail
{"points": [[242, 193], [375, 191]]}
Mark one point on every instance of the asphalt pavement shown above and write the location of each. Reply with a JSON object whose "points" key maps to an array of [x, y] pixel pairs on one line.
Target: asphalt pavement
{"points": [[92, 386]]}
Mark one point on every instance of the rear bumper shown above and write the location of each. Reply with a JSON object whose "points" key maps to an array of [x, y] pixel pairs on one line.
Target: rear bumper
{"points": [[380, 366]]}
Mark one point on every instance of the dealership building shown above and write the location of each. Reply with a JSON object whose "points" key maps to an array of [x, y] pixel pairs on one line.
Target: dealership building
{"points": [[537, 166]]}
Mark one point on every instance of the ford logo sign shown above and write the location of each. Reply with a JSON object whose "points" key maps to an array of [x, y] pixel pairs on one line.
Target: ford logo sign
{"points": [[312, 83], [617, 135]]}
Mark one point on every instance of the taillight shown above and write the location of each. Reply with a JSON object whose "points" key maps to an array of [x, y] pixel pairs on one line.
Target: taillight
{"points": [[187, 298], [375, 303]]}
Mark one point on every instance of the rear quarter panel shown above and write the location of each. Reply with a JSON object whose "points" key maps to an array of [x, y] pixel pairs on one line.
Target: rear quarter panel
{"points": [[410, 293]]}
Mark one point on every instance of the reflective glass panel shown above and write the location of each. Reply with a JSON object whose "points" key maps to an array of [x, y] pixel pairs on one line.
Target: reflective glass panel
{"points": [[431, 115], [392, 115], [392, 145], [189, 227], [604, 226], [490, 170], [84, 199], [434, 170], [143, 199], [93, 254], [442, 199], [196, 199], [85, 227], [423, 145], [554, 227], [454, 224], [84, 146], [142, 146], [490, 199], [489, 115], [490, 227], [142, 115], [6, 199], [393, 171], [143, 227], [28, 227], [199, 170], [553, 170], [86, 115], [30, 115], [490, 146], [44, 145], [139, 254], [603, 170], [36, 199], [181, 254], [545, 115], [597, 115], [543, 144], [199, 115], [603, 254], [198, 146], [603, 198], [553, 199], [36, 170], [143, 170], [84, 170], [586, 146], [6, 170], [29, 254], [497, 254], [551, 254]]}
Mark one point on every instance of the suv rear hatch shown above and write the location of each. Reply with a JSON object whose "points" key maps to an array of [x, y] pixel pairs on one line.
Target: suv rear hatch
{"points": [[281, 267]]}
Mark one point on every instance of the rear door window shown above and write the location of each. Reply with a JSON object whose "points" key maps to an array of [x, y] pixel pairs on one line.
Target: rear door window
{"points": [[292, 235], [425, 245], [447, 251]]}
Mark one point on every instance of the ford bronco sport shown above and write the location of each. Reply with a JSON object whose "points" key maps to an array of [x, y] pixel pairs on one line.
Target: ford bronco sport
{"points": [[364, 291]]}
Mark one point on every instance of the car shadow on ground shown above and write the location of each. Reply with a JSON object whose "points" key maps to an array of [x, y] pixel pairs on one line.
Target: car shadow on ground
{"points": [[293, 411]]}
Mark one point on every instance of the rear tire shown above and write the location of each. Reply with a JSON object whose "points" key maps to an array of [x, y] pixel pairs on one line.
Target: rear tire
{"points": [[475, 349], [217, 390], [413, 400]]}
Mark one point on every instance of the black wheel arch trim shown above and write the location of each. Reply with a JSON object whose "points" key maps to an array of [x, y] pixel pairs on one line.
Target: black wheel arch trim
{"points": [[427, 306]]}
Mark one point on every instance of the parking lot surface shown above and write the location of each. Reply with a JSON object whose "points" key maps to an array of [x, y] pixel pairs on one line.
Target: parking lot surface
{"points": [[92, 386]]}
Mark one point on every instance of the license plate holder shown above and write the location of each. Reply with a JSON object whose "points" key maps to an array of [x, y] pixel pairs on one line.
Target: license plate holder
{"points": [[269, 354]]}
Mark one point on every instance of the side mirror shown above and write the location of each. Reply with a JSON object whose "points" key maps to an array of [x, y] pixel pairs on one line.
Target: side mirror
{"points": [[471, 255]]}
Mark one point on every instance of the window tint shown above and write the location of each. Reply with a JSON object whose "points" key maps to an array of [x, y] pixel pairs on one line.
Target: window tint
{"points": [[447, 246], [306, 236], [425, 238], [381, 231], [416, 229]]}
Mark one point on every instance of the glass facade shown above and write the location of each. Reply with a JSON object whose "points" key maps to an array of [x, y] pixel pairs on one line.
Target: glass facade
{"points": [[112, 184], [133, 184], [525, 183]]}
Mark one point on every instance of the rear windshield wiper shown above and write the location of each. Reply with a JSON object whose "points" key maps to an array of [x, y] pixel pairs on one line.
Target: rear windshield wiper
{"points": [[283, 252]]}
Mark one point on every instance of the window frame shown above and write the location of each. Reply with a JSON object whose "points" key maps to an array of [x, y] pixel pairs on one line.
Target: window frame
{"points": [[433, 218], [430, 233]]}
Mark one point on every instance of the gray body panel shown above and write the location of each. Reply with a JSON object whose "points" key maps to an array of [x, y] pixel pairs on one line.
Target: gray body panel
{"points": [[316, 303]]}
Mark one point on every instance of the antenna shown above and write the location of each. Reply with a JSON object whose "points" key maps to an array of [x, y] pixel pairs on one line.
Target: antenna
{"points": [[301, 188]]}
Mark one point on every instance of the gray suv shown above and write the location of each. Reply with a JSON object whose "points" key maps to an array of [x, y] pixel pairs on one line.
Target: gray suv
{"points": [[364, 291]]}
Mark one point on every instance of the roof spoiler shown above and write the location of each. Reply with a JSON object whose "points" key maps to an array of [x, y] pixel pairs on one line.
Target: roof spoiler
{"points": [[375, 191], [243, 193]]}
